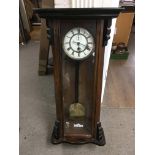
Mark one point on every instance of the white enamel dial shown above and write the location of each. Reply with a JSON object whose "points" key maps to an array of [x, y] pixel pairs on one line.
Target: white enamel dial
{"points": [[78, 43]]}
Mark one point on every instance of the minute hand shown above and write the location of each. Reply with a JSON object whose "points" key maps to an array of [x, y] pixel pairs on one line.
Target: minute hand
{"points": [[86, 46], [82, 44], [78, 43]]}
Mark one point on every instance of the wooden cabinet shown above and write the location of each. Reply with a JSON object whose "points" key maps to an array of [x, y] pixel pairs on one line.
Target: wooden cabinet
{"points": [[123, 28]]}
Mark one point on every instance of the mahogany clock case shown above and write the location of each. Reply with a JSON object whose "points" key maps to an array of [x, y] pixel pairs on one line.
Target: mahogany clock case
{"points": [[86, 91], [85, 85]]}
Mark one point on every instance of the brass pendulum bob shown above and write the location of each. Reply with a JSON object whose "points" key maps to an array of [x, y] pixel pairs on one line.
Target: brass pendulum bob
{"points": [[76, 109]]}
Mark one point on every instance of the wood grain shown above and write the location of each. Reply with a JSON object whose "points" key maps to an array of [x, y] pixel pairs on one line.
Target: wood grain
{"points": [[123, 28]]}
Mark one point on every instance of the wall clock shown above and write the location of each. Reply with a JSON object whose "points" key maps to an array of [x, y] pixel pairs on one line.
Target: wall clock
{"points": [[78, 38]]}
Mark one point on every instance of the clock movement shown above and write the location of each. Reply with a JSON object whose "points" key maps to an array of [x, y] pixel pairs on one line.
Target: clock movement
{"points": [[78, 37]]}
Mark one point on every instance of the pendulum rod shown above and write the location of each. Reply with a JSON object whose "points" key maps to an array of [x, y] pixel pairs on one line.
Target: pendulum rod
{"points": [[76, 82]]}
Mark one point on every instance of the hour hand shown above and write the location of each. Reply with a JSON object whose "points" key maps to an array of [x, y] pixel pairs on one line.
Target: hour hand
{"points": [[75, 42], [78, 43]]}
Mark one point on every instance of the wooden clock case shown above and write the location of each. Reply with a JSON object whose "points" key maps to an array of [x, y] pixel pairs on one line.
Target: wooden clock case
{"points": [[98, 22]]}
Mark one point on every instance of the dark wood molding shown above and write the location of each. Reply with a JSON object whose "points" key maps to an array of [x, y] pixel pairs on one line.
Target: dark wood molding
{"points": [[127, 8], [55, 139], [50, 35], [106, 31], [98, 74], [57, 62], [100, 138], [80, 13]]}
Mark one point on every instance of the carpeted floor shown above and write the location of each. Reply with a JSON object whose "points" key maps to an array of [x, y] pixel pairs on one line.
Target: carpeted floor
{"points": [[37, 116]]}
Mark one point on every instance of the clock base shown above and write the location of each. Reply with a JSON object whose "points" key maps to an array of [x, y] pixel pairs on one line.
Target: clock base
{"points": [[56, 139]]}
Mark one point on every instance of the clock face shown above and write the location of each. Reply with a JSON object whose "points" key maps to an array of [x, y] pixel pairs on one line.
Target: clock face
{"points": [[78, 43]]}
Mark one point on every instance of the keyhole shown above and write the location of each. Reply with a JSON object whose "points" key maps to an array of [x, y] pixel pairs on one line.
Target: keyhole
{"points": [[78, 48]]}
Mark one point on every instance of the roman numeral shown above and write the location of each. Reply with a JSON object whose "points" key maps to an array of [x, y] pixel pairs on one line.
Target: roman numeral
{"points": [[73, 53], [68, 48], [78, 30], [68, 37], [84, 53], [88, 37], [90, 43], [72, 32], [66, 42], [88, 48]]}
